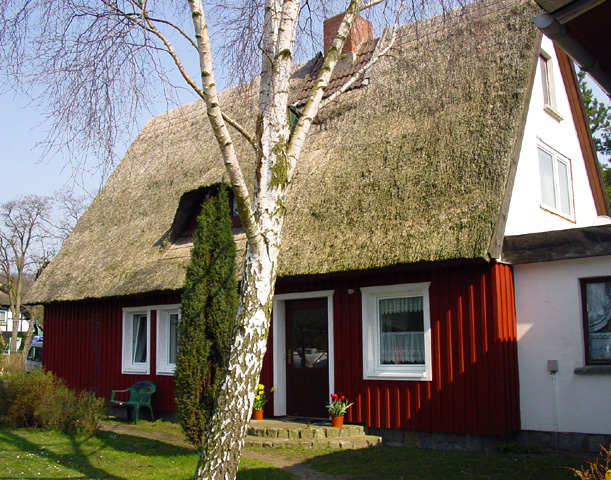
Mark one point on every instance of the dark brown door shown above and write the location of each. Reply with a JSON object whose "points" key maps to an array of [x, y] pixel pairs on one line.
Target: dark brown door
{"points": [[307, 358]]}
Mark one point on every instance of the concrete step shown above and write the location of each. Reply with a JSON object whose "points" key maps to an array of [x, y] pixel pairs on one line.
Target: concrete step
{"points": [[341, 443], [287, 432]]}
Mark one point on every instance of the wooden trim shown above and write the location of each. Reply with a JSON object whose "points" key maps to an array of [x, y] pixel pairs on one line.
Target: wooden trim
{"points": [[583, 132], [496, 242]]}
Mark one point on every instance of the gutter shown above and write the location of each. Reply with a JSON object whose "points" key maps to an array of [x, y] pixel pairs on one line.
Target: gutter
{"points": [[574, 48]]}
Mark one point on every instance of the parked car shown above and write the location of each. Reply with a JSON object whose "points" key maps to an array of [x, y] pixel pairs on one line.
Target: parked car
{"points": [[33, 360]]}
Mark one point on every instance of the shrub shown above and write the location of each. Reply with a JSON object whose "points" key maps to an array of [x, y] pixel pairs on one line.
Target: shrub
{"points": [[40, 399], [209, 304], [597, 469]]}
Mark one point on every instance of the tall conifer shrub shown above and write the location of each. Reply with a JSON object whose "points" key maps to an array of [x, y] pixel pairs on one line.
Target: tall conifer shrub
{"points": [[209, 304]]}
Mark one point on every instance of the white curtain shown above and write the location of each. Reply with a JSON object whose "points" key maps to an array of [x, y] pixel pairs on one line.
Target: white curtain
{"points": [[400, 344], [404, 347], [400, 305]]}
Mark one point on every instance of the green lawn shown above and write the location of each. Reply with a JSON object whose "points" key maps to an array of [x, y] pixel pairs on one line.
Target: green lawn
{"points": [[418, 464], [28, 453]]}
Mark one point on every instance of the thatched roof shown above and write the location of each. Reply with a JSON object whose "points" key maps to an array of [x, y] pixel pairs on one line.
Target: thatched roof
{"points": [[410, 167]]}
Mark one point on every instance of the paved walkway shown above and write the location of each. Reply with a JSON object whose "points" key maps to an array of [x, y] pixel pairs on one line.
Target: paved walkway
{"points": [[290, 465]]}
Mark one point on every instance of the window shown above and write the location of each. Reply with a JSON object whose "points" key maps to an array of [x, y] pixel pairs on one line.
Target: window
{"points": [[547, 80], [397, 332], [2, 317], [596, 305], [136, 341], [556, 189], [167, 339]]}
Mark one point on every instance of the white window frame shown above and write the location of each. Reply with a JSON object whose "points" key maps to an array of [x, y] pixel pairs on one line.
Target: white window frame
{"points": [[164, 367], [557, 157], [128, 366], [546, 70], [373, 369]]}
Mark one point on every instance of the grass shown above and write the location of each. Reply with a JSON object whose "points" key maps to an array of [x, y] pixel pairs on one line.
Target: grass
{"points": [[28, 453], [407, 464]]}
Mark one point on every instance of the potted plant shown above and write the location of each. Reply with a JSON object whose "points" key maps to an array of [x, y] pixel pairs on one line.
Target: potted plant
{"points": [[261, 398], [337, 408]]}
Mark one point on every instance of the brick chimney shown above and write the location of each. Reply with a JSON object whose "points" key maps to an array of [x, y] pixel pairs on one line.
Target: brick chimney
{"points": [[361, 31]]}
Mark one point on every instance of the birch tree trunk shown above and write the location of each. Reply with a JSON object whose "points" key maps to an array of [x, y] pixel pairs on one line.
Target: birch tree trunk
{"points": [[277, 151]]}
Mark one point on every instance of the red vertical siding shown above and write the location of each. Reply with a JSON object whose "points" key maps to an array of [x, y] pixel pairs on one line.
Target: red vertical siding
{"points": [[267, 373], [83, 346], [474, 352]]}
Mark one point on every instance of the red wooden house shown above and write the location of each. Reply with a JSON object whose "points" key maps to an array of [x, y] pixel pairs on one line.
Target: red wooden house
{"points": [[390, 287]]}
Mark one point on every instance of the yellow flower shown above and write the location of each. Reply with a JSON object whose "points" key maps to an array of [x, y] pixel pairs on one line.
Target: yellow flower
{"points": [[271, 389], [261, 386], [257, 397]]}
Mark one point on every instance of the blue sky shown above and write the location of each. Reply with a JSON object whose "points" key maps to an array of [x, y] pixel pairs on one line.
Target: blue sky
{"points": [[22, 127]]}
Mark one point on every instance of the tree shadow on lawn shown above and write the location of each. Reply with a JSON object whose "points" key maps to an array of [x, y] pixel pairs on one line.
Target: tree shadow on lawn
{"points": [[249, 470], [381, 463], [143, 446], [75, 460]]}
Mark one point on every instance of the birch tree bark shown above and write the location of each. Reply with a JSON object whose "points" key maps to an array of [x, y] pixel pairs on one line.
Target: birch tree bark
{"points": [[277, 154]]}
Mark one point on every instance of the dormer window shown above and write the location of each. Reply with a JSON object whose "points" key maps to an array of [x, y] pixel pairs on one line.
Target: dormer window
{"points": [[190, 207], [547, 81]]}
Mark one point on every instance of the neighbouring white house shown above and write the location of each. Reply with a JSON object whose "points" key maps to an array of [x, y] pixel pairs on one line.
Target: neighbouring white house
{"points": [[560, 250], [6, 322], [563, 310]]}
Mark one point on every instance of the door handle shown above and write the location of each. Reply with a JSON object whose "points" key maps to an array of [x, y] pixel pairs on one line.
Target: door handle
{"points": [[289, 357]]}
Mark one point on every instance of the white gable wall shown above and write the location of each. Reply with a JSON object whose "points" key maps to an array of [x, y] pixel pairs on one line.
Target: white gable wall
{"points": [[549, 320], [526, 215]]}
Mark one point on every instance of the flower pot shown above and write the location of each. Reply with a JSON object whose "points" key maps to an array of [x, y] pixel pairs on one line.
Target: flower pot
{"points": [[337, 421], [257, 414]]}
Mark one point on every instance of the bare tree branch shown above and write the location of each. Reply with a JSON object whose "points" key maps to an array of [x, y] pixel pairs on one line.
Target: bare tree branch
{"points": [[20, 229]]}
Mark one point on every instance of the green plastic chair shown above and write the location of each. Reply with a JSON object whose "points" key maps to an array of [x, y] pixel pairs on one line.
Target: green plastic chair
{"points": [[139, 396]]}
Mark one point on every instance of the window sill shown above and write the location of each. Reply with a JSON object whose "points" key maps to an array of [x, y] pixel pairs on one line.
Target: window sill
{"points": [[550, 110], [558, 213], [593, 370], [406, 376], [135, 371]]}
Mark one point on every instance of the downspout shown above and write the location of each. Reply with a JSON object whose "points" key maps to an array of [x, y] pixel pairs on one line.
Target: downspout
{"points": [[574, 48]]}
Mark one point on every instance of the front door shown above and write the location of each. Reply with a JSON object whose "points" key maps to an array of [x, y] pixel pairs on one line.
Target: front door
{"points": [[307, 360]]}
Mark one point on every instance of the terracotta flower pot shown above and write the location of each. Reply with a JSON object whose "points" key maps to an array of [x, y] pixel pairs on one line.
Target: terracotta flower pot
{"points": [[337, 421], [257, 414]]}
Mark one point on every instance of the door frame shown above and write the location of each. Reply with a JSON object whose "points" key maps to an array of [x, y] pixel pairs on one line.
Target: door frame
{"points": [[279, 346]]}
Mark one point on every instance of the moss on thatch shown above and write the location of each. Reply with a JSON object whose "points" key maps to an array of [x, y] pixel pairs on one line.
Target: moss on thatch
{"points": [[411, 168]]}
